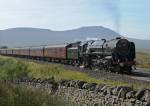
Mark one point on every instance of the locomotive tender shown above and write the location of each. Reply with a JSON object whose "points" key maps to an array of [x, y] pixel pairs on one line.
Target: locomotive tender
{"points": [[116, 55]]}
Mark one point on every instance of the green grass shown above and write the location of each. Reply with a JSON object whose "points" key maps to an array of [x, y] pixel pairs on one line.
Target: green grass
{"points": [[143, 60], [12, 69], [19, 96]]}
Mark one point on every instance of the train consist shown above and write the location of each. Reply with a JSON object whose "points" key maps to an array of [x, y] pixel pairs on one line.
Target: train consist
{"points": [[116, 55]]}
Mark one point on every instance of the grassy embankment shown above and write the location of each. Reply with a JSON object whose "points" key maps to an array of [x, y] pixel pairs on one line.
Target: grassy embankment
{"points": [[18, 96], [143, 60], [146, 51], [12, 69]]}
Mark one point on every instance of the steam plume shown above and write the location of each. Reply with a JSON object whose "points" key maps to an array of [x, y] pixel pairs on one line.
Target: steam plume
{"points": [[112, 6]]}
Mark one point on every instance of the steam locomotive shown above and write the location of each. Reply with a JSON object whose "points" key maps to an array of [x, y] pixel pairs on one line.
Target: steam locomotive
{"points": [[116, 55]]}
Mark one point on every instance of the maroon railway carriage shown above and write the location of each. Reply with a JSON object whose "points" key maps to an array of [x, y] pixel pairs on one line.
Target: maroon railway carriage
{"points": [[56, 52], [3, 51], [6, 51], [24, 52], [9, 52], [36, 52], [16, 52]]}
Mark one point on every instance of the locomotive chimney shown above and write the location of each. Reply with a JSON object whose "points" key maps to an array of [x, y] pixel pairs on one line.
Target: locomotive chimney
{"points": [[118, 37], [103, 40]]}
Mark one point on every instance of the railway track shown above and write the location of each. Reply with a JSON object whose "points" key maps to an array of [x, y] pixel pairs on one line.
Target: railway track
{"points": [[141, 74]]}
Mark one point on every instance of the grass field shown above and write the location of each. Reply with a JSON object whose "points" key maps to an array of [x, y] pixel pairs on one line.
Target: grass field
{"points": [[13, 69], [143, 60], [18, 96], [146, 51]]}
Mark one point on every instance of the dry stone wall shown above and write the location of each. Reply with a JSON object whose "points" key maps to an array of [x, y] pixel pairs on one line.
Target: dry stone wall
{"points": [[91, 94]]}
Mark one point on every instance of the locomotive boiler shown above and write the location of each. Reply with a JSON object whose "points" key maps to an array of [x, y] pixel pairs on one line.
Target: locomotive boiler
{"points": [[112, 55]]}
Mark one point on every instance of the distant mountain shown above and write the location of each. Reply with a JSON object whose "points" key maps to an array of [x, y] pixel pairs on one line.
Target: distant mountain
{"points": [[36, 36], [17, 37], [141, 44]]}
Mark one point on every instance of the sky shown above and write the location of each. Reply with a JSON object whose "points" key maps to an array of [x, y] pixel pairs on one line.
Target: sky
{"points": [[130, 18]]}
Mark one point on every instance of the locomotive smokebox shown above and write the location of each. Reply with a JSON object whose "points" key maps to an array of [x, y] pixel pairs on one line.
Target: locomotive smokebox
{"points": [[122, 46]]}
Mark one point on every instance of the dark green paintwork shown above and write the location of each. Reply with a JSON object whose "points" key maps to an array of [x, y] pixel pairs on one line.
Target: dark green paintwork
{"points": [[72, 53]]}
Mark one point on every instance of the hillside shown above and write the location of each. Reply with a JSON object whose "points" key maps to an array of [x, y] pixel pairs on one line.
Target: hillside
{"points": [[15, 37], [36, 36], [142, 45]]}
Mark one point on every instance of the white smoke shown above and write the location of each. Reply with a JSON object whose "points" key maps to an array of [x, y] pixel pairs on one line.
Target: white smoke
{"points": [[113, 8], [89, 38]]}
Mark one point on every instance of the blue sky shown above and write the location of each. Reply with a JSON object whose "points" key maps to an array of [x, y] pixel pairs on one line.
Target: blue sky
{"points": [[130, 18]]}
